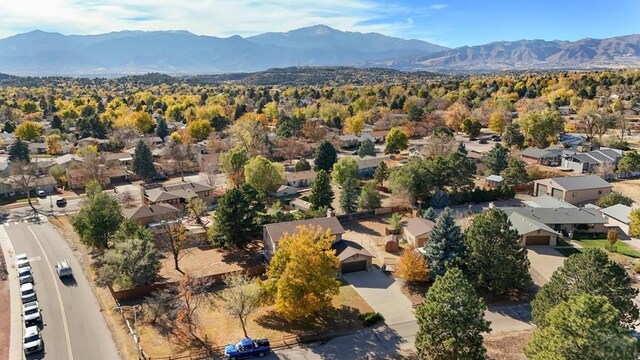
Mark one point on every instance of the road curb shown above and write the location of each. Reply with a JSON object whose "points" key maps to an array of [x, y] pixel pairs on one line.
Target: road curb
{"points": [[15, 333]]}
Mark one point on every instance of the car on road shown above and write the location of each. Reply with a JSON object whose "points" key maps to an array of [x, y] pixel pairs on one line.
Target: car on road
{"points": [[22, 260], [41, 194], [482, 141], [25, 275], [62, 202], [31, 313], [32, 341], [247, 348], [63, 268], [28, 293]]}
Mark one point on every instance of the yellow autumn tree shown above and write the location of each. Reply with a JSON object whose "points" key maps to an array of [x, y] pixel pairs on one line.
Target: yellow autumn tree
{"points": [[29, 130], [455, 114], [54, 144], [412, 266], [142, 121], [302, 274], [199, 130], [354, 124]]}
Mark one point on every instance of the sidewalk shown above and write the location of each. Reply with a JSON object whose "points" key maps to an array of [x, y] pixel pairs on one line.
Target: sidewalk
{"points": [[15, 342]]}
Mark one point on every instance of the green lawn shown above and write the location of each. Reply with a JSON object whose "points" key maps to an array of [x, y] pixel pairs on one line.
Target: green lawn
{"points": [[568, 251], [622, 248]]}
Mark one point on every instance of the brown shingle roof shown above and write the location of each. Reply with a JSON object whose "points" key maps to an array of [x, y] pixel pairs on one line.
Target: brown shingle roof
{"points": [[277, 230], [346, 249], [300, 175], [149, 210], [418, 226]]}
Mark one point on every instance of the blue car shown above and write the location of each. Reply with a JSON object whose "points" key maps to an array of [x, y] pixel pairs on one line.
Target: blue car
{"points": [[247, 348]]}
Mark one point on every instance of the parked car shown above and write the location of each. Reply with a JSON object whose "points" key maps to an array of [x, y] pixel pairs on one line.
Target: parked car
{"points": [[41, 194], [28, 293], [497, 138], [247, 348], [63, 269], [22, 260], [31, 313], [482, 141], [24, 274], [159, 177], [62, 202], [32, 341]]}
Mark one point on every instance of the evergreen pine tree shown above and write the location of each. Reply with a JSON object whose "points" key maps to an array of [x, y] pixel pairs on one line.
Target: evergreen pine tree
{"points": [[497, 159], [162, 130], [321, 192], [143, 162], [349, 197], [440, 199], [19, 151], [515, 173], [445, 245], [381, 174], [366, 148], [506, 271], [430, 214], [326, 156], [451, 320]]}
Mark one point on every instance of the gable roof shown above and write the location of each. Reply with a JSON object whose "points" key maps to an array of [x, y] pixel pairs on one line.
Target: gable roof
{"points": [[560, 216], [277, 230], [537, 153], [619, 212], [525, 225], [418, 226], [581, 182], [149, 210], [300, 175], [346, 249], [546, 201]]}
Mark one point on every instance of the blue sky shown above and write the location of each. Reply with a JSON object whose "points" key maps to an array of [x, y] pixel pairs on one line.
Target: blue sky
{"points": [[450, 23]]}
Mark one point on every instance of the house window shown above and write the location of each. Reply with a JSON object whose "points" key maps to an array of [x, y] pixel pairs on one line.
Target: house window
{"points": [[574, 194], [206, 193], [599, 192]]}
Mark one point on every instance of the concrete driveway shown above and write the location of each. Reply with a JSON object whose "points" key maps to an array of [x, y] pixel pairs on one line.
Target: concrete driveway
{"points": [[383, 294], [545, 260]]}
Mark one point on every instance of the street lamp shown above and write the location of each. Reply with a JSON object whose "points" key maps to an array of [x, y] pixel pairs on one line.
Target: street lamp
{"points": [[134, 331]]}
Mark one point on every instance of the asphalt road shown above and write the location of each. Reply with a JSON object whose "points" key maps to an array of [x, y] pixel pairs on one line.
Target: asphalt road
{"points": [[73, 325]]}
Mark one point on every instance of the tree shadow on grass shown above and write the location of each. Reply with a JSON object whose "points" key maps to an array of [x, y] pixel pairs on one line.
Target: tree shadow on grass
{"points": [[248, 256], [329, 321]]}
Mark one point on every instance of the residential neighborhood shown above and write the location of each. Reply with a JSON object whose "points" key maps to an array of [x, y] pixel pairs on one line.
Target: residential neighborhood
{"points": [[291, 214]]}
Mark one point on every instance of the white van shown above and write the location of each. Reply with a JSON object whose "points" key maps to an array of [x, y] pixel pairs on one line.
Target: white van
{"points": [[63, 268]]}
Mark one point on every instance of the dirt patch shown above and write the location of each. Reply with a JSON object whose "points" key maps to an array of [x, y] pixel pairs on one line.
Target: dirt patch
{"points": [[630, 188], [5, 313], [222, 329], [205, 261], [119, 331], [507, 346]]}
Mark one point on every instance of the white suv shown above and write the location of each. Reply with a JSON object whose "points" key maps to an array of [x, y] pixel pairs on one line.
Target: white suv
{"points": [[22, 260], [32, 341], [28, 293], [31, 313], [25, 276]]}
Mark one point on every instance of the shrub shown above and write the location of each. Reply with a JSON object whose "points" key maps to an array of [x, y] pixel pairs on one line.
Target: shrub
{"points": [[371, 318], [636, 268], [479, 195]]}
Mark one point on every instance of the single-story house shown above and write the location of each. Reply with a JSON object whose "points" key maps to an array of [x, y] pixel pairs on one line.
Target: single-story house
{"points": [[573, 139], [367, 165], [120, 158], [300, 204], [617, 216], [533, 232], [154, 213], [589, 162], [378, 136], [37, 148], [77, 178], [562, 220], [573, 189], [347, 141], [416, 231], [300, 179], [494, 181], [12, 186], [549, 156], [176, 195], [284, 190], [352, 256], [272, 233]]}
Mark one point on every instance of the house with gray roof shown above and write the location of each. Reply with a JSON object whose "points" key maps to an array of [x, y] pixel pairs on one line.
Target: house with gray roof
{"points": [[589, 162], [549, 156], [177, 195], [546, 201], [559, 220], [148, 214], [573, 189], [533, 232], [617, 217]]}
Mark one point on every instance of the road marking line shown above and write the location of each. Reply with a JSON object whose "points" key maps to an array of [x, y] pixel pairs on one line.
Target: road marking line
{"points": [[55, 283]]}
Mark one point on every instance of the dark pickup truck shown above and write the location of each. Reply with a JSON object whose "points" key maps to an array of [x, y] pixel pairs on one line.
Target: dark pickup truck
{"points": [[247, 348]]}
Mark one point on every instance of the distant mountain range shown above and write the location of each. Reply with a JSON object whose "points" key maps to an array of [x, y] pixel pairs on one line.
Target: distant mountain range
{"points": [[181, 52]]}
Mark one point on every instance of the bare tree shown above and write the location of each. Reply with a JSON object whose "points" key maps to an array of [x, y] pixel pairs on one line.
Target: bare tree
{"points": [[440, 144], [179, 155], [172, 237], [604, 170], [126, 199], [25, 176], [197, 209], [193, 294], [96, 165], [211, 169], [289, 148], [241, 297]]}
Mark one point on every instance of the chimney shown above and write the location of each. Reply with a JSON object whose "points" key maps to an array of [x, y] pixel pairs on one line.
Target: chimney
{"points": [[330, 213]]}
